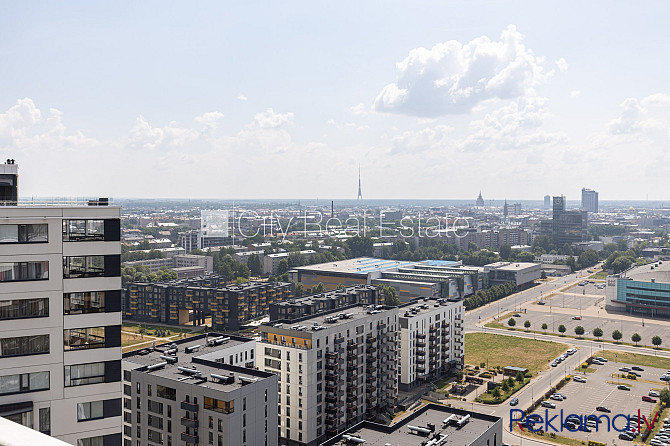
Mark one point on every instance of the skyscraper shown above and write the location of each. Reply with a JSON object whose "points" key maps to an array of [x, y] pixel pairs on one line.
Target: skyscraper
{"points": [[568, 226], [547, 201], [590, 200], [360, 193]]}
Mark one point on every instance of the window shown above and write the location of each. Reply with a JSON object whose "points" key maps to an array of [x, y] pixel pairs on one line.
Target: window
{"points": [[155, 407], [91, 441], [81, 303], [166, 392], [24, 271], [219, 405], [91, 410], [24, 308], [148, 389], [24, 345], [45, 419], [84, 338], [82, 374], [83, 230], [83, 266], [24, 233], [25, 382]]}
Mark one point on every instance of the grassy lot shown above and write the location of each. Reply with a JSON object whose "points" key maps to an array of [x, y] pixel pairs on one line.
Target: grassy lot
{"points": [[488, 398], [551, 437], [130, 348], [500, 350], [599, 275], [150, 329], [659, 423], [636, 359]]}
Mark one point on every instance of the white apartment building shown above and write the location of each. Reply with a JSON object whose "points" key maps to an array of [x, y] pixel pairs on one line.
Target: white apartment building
{"points": [[334, 370], [60, 318], [431, 340]]}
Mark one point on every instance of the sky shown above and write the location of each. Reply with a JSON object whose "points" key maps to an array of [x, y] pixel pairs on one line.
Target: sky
{"points": [[284, 100]]}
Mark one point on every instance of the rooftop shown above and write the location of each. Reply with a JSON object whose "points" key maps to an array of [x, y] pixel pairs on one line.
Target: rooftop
{"points": [[511, 266], [660, 271], [359, 265], [328, 319], [423, 306], [473, 427], [198, 353]]}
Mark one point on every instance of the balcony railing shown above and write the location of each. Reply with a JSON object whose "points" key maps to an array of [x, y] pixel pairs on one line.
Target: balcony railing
{"points": [[188, 422], [188, 406]]}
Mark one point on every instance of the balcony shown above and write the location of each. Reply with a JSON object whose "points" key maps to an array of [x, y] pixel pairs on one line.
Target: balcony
{"points": [[331, 398], [421, 335], [333, 411], [371, 349], [371, 340], [421, 370], [420, 361], [332, 355], [190, 407], [352, 347], [432, 330], [370, 360], [339, 340], [371, 379], [351, 398], [189, 438], [381, 325], [351, 367], [421, 353], [420, 344], [188, 422]]}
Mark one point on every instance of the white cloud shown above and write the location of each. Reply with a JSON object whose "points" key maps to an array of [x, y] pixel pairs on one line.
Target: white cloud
{"points": [[241, 97], [451, 78], [358, 109], [271, 120], [575, 93], [562, 65]]}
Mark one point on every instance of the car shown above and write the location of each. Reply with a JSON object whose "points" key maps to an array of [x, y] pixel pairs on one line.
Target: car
{"points": [[653, 442], [633, 372], [548, 404], [562, 396], [516, 315], [591, 423], [624, 436], [576, 318], [654, 393], [571, 426], [572, 351], [638, 368], [648, 399], [603, 409], [557, 397], [665, 378], [514, 401], [579, 379], [601, 359], [623, 387], [541, 302], [582, 283], [624, 369], [586, 428], [596, 362], [554, 364]]}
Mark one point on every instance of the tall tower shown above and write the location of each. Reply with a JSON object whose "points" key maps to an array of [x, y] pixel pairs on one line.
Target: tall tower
{"points": [[360, 193]]}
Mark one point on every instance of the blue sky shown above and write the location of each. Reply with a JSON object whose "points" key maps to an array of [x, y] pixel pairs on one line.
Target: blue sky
{"points": [[284, 99]]}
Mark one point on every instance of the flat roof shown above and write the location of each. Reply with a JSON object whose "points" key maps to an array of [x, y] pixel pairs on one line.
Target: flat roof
{"points": [[201, 358], [400, 434], [335, 317], [360, 265], [511, 266], [644, 273]]}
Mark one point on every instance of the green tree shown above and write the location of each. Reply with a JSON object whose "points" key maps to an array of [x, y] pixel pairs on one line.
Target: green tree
{"points": [[282, 267], [657, 341], [391, 298], [636, 338], [562, 329], [505, 386], [544, 326], [510, 382], [527, 325], [240, 280], [504, 251], [579, 330], [496, 392], [543, 275], [511, 322], [360, 246], [255, 265], [519, 377], [598, 332], [571, 263], [318, 288], [617, 335], [299, 289], [665, 397]]}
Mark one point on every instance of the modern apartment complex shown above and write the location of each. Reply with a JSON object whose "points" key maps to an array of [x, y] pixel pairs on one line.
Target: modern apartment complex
{"points": [[590, 200], [334, 370], [201, 390], [178, 302], [60, 320], [325, 302], [431, 340]]}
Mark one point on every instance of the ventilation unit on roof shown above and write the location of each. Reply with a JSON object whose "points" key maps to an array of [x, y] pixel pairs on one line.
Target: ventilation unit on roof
{"points": [[169, 359], [160, 365], [191, 372], [222, 379], [245, 380], [191, 349]]}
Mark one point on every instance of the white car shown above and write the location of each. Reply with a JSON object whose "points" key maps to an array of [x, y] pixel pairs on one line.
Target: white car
{"points": [[654, 393], [596, 362], [579, 379]]}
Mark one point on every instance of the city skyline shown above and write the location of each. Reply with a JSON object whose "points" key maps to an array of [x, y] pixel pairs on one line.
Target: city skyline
{"points": [[175, 101]]}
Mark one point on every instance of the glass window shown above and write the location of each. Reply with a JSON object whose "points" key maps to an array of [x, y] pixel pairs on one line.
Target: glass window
{"points": [[83, 266], [24, 345], [24, 233], [166, 392], [87, 302], [24, 271], [84, 338], [89, 411], [82, 374], [219, 405], [45, 420], [24, 308], [83, 230], [91, 441]]}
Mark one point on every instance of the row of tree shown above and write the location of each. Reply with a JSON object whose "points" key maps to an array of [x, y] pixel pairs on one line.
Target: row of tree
{"points": [[483, 297], [141, 273]]}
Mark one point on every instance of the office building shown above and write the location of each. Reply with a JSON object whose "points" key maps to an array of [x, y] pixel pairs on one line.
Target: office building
{"points": [[642, 290], [334, 370], [433, 424], [522, 274], [431, 340], [193, 300], [271, 261], [547, 202], [590, 200], [60, 319], [568, 226], [200, 390]]}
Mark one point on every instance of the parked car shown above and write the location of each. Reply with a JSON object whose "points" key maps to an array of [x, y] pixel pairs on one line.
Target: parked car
{"points": [[601, 359], [576, 318], [516, 315], [625, 436], [654, 393], [514, 401], [638, 368], [596, 362], [572, 351], [579, 379], [563, 396], [541, 302], [648, 399], [624, 369], [623, 387], [559, 397], [665, 378], [603, 409], [548, 404], [554, 364]]}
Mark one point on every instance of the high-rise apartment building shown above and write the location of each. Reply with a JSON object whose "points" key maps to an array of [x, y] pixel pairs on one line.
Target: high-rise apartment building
{"points": [[590, 200], [334, 370], [60, 319], [201, 390], [568, 226], [547, 201]]}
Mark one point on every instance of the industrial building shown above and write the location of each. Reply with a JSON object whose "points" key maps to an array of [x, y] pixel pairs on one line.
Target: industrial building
{"points": [[643, 290], [433, 424], [193, 300], [334, 370], [523, 274], [200, 390]]}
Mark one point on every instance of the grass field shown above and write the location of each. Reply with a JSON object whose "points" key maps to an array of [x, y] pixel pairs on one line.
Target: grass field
{"points": [[501, 350], [636, 359], [150, 329]]}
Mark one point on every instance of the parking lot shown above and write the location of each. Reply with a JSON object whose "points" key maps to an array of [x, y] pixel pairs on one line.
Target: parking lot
{"points": [[600, 389]]}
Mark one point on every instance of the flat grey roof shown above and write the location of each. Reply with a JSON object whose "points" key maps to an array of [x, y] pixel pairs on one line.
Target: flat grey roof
{"points": [[352, 313], [359, 265], [645, 273]]}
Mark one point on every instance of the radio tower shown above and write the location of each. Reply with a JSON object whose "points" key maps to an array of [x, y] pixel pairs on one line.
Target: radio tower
{"points": [[360, 194]]}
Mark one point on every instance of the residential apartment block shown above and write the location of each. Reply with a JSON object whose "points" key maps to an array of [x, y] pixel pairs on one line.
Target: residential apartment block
{"points": [[334, 370], [60, 320], [202, 390], [431, 340]]}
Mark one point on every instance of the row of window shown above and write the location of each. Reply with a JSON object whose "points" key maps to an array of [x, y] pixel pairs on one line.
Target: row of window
{"points": [[73, 303], [73, 231], [24, 233], [73, 339], [73, 267], [24, 382]]}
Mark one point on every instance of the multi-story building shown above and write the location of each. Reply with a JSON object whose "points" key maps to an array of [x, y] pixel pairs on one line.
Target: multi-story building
{"points": [[271, 261], [60, 319], [334, 370], [431, 340], [195, 299], [567, 226], [200, 390], [642, 290], [590, 200], [522, 274], [330, 300]]}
